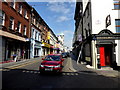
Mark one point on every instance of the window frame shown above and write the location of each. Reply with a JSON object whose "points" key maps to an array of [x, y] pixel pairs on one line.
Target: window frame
{"points": [[11, 26], [117, 3], [24, 30], [2, 17], [12, 4], [18, 27], [25, 14], [20, 8], [117, 25]]}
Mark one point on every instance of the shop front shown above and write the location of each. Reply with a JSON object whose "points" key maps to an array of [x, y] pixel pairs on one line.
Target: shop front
{"points": [[105, 49], [14, 49], [45, 48]]}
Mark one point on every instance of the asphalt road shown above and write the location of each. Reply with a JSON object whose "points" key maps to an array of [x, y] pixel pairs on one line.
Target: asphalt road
{"points": [[25, 76]]}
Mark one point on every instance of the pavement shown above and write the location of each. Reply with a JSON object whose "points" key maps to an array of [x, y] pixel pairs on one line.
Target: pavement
{"points": [[83, 68]]}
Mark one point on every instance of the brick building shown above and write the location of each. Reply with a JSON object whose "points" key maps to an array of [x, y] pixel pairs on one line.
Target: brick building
{"points": [[15, 30]]}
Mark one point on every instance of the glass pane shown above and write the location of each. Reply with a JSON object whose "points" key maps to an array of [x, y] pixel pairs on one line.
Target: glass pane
{"points": [[117, 22], [117, 29]]}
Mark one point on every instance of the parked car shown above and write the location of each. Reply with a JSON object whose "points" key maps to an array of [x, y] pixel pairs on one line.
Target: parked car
{"points": [[51, 63], [64, 55]]}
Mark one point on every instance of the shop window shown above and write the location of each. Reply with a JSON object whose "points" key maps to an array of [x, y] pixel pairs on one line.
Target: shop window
{"points": [[18, 27], [2, 18], [24, 30], [11, 25]]}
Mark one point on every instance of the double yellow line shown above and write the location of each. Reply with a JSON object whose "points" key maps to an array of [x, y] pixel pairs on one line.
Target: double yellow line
{"points": [[20, 65]]}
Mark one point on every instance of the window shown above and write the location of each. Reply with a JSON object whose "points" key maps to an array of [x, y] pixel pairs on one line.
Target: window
{"points": [[117, 23], [11, 26], [116, 4], [18, 27], [12, 4], [25, 13], [25, 30], [117, 29], [35, 35], [20, 8], [2, 18], [39, 37]]}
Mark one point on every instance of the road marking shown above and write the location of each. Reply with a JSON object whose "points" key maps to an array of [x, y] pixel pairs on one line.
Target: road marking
{"points": [[20, 65]]}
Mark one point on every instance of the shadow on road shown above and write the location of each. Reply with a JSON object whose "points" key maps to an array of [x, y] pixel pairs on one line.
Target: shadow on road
{"points": [[24, 79]]}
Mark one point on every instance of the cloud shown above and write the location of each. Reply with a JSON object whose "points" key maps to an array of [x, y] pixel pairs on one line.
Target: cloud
{"points": [[58, 7], [62, 19]]}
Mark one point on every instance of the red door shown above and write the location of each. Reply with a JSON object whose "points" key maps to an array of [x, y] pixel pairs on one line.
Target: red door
{"points": [[102, 56]]}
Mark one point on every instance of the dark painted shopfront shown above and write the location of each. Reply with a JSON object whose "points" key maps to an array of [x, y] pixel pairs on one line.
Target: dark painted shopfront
{"points": [[106, 52]]}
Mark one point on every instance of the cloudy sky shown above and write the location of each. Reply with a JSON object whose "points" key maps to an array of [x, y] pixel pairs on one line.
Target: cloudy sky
{"points": [[59, 16]]}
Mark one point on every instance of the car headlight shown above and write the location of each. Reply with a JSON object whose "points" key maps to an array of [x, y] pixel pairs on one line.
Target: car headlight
{"points": [[41, 65], [57, 66]]}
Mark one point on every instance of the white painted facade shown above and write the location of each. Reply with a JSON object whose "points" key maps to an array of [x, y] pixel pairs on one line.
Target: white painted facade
{"points": [[36, 49], [61, 43], [100, 9]]}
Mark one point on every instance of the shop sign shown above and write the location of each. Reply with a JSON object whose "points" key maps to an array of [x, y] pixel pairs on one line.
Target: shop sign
{"points": [[108, 21], [46, 45], [48, 35]]}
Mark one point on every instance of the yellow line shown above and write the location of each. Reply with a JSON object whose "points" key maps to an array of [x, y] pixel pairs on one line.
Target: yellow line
{"points": [[22, 65]]}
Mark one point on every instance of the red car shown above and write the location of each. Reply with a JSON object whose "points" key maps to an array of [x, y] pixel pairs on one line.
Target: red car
{"points": [[52, 63]]}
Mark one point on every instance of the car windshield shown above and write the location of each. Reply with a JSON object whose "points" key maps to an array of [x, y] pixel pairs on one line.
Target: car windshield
{"points": [[52, 58]]}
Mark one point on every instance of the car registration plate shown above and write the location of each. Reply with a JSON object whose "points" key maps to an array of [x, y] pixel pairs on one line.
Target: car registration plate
{"points": [[48, 69]]}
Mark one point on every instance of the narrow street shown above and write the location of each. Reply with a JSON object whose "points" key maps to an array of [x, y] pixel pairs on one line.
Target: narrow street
{"points": [[27, 76]]}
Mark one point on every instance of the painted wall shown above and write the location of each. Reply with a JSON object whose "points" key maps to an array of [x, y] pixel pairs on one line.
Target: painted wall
{"points": [[100, 10]]}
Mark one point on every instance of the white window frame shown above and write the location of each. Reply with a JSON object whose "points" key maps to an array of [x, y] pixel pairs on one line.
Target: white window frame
{"points": [[2, 17], [20, 8], [33, 33], [25, 30], [19, 26], [12, 1], [12, 19], [25, 14]]}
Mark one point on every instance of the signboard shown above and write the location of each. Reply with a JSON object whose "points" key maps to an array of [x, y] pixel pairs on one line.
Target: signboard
{"points": [[48, 35], [108, 21]]}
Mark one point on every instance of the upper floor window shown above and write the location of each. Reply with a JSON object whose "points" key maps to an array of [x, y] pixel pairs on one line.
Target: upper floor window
{"points": [[11, 25], [25, 30], [117, 23], [116, 4], [19, 27], [20, 8], [12, 3], [25, 13], [2, 18], [35, 35], [39, 37]]}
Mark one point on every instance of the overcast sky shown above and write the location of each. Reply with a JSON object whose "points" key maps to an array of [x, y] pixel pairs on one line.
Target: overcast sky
{"points": [[59, 16]]}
